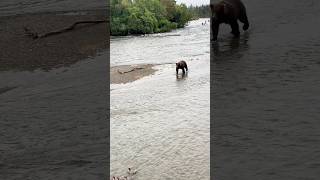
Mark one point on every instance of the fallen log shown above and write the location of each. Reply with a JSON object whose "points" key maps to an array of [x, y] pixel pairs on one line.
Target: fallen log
{"points": [[35, 35]]}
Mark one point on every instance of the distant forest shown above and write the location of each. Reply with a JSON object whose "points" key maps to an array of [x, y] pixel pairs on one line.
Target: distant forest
{"points": [[200, 11], [151, 16]]}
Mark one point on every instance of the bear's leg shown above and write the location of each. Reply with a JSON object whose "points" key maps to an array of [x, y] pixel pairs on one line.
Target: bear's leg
{"points": [[186, 68], [235, 28], [183, 71], [215, 28], [177, 70], [244, 19]]}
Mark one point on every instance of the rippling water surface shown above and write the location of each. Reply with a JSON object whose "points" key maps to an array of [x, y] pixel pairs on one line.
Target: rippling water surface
{"points": [[266, 94], [160, 124], [13, 7], [53, 124]]}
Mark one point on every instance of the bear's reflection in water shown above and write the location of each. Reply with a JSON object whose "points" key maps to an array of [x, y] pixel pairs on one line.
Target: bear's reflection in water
{"points": [[182, 76], [230, 46]]}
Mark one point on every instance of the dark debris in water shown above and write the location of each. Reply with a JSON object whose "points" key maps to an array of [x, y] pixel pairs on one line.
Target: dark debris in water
{"points": [[130, 175]]}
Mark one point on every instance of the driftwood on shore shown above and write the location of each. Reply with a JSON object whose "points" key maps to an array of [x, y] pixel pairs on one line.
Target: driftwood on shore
{"points": [[35, 35]]}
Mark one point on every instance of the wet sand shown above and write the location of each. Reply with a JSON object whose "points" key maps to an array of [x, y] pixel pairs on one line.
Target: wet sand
{"points": [[129, 73], [21, 52]]}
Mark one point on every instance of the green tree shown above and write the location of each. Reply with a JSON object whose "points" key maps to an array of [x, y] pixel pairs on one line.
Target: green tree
{"points": [[170, 8], [182, 15], [147, 16]]}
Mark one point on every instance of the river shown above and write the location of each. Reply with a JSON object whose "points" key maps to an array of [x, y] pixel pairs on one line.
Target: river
{"points": [[160, 124], [14, 7], [264, 98], [265, 95], [53, 124]]}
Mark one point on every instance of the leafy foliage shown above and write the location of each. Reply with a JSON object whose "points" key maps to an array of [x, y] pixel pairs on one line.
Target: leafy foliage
{"points": [[147, 16]]}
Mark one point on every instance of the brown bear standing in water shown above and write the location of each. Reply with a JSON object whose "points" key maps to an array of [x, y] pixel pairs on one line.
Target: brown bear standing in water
{"points": [[181, 65], [229, 12]]}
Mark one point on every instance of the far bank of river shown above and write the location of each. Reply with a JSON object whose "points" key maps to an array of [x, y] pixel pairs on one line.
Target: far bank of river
{"points": [[137, 56]]}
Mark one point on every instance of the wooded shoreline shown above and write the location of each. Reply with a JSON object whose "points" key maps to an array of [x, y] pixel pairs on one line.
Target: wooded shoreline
{"points": [[130, 17]]}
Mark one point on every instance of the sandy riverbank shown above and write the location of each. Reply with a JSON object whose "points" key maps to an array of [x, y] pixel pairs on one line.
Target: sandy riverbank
{"points": [[129, 73], [21, 52]]}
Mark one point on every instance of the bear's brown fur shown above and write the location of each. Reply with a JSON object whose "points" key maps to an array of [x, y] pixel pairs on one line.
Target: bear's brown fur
{"points": [[181, 65], [229, 12]]}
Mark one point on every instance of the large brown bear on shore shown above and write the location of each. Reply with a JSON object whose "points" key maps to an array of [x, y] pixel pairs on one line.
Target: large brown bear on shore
{"points": [[229, 12]]}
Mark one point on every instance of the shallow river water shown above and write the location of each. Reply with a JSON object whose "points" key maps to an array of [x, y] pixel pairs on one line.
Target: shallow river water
{"points": [[53, 124], [160, 124], [13, 7], [265, 99], [266, 94]]}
